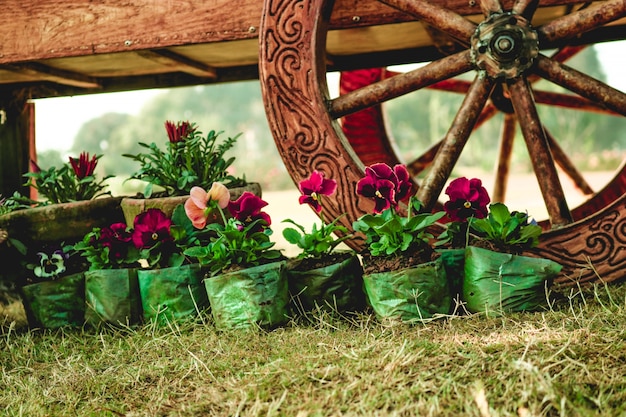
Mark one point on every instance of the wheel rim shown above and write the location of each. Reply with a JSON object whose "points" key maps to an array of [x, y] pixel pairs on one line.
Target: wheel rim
{"points": [[304, 123]]}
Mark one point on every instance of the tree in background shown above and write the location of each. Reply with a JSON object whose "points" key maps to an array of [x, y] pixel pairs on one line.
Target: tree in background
{"points": [[231, 108]]}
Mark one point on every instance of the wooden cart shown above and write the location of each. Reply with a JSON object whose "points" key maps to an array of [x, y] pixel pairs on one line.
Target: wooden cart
{"points": [[68, 47]]}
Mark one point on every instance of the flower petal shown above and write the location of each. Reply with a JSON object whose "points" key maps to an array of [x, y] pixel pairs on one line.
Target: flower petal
{"points": [[219, 193]]}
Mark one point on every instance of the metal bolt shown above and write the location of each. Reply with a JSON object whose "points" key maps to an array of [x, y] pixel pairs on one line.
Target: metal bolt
{"points": [[356, 18], [472, 3], [128, 42], [251, 29]]}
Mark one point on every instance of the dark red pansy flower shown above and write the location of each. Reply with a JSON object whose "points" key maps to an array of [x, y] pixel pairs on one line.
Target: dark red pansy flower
{"points": [[386, 185], [83, 166], [468, 198], [121, 233], [151, 227], [314, 187], [403, 185], [179, 131], [247, 208]]}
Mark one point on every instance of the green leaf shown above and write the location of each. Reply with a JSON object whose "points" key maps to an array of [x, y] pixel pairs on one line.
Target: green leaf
{"points": [[291, 235], [500, 213]]}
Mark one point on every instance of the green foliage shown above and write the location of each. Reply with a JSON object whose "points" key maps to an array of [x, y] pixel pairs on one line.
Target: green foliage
{"points": [[319, 242], [507, 230], [99, 256], [390, 234], [235, 245], [15, 202], [196, 161], [62, 185]]}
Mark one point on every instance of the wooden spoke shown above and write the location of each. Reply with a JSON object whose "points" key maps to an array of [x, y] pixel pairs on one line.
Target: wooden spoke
{"points": [[582, 84], [539, 152], [504, 157], [445, 20], [490, 7], [400, 84], [455, 140], [567, 165], [525, 7], [572, 25]]}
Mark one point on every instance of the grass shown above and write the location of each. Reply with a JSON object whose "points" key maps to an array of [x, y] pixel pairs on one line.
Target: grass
{"points": [[567, 361]]}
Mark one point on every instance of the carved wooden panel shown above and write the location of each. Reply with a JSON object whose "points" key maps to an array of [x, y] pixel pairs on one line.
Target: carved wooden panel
{"points": [[293, 80], [592, 249]]}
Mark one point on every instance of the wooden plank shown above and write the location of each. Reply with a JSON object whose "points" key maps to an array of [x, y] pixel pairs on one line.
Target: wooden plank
{"points": [[176, 62], [33, 30], [39, 72], [42, 29]]}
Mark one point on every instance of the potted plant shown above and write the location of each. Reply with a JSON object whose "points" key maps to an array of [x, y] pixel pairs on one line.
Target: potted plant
{"points": [[320, 276], [72, 200], [70, 206], [246, 278], [468, 200], [189, 159], [170, 283], [54, 295], [111, 285], [401, 279], [498, 278]]}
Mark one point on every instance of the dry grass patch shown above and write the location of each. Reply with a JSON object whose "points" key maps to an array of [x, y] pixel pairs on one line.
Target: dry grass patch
{"points": [[569, 361]]}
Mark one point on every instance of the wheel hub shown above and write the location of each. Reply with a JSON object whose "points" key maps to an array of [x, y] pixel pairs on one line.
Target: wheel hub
{"points": [[504, 45]]}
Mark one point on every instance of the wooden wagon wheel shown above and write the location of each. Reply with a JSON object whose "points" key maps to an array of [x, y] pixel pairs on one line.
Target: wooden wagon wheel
{"points": [[502, 49]]}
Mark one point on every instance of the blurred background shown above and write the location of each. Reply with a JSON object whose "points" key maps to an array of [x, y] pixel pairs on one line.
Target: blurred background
{"points": [[113, 124]]}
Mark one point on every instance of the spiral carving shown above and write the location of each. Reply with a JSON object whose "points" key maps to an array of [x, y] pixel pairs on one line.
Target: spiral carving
{"points": [[590, 250]]}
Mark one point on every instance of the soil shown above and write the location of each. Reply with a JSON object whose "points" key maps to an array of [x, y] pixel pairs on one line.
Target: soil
{"points": [[374, 264], [309, 264]]}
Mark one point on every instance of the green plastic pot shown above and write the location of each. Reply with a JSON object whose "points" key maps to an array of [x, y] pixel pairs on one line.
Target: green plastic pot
{"points": [[454, 262], [251, 297], [336, 287], [112, 296], [500, 282], [54, 304], [172, 294], [411, 295]]}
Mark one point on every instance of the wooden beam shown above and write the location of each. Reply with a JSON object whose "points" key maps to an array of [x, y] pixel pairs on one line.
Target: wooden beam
{"points": [[179, 62], [43, 72], [16, 129], [36, 30]]}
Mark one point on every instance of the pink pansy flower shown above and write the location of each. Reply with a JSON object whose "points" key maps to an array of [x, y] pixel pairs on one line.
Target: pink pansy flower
{"points": [[314, 187], [468, 198], [200, 203]]}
